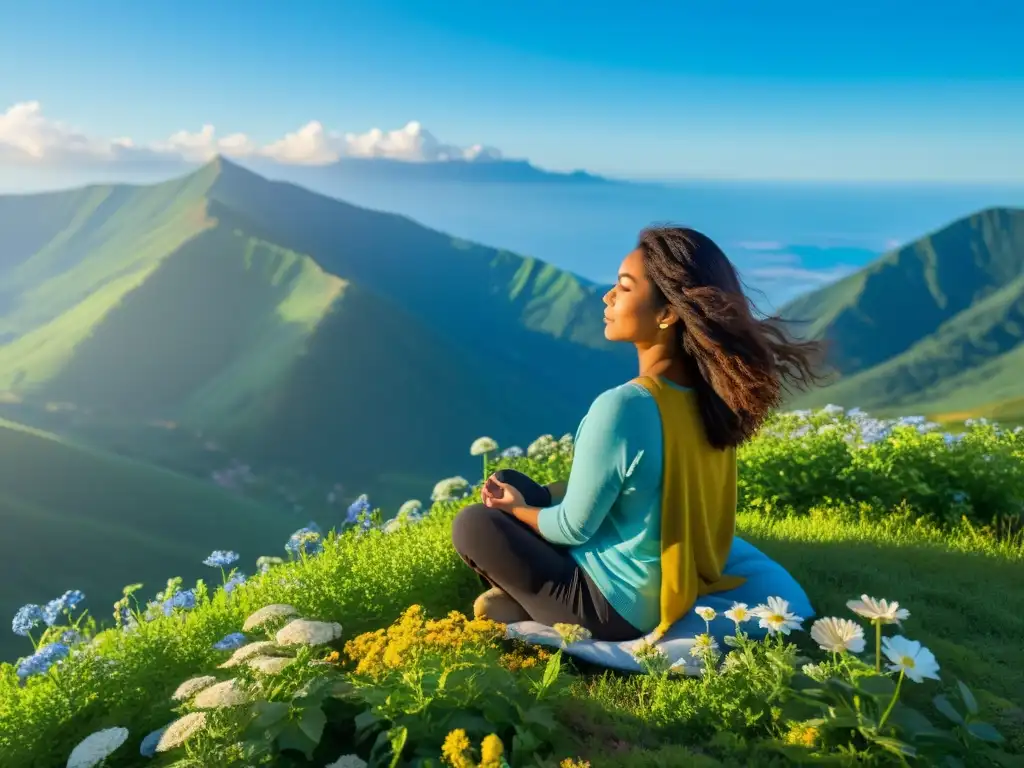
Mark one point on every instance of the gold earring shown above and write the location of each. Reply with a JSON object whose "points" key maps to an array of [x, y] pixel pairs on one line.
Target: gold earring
{"points": [[663, 326]]}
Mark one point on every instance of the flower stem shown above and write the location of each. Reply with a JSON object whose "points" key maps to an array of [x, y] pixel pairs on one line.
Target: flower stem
{"points": [[895, 696], [878, 645]]}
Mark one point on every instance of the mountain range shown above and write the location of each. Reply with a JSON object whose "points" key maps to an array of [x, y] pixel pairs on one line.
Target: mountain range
{"points": [[297, 329], [241, 317], [935, 327]]}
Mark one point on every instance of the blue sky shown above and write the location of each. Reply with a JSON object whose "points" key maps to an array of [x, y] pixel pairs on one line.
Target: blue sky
{"points": [[867, 90]]}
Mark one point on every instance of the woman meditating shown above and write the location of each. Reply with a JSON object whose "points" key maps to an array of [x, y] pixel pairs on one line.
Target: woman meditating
{"points": [[646, 521]]}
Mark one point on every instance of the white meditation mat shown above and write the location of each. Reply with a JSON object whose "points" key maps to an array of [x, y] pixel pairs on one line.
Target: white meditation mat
{"points": [[764, 578]]}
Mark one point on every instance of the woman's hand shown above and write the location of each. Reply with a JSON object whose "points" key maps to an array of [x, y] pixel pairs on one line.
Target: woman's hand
{"points": [[499, 495]]}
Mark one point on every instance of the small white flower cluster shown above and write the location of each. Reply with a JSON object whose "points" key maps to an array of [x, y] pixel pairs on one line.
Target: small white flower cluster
{"points": [[97, 747], [543, 447], [482, 446], [450, 488], [267, 657]]}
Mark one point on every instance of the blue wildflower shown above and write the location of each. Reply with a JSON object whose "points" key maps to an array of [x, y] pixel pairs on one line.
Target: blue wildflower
{"points": [[236, 580], [72, 637], [51, 611], [874, 430], [512, 452], [40, 661], [307, 540], [26, 619], [185, 600], [358, 508], [63, 604], [148, 746], [230, 642], [221, 558]]}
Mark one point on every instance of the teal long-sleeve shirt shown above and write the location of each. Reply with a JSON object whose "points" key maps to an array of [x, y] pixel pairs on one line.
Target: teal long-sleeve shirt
{"points": [[610, 517]]}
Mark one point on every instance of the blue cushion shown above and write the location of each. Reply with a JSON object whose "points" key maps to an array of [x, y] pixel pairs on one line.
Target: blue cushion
{"points": [[765, 578]]}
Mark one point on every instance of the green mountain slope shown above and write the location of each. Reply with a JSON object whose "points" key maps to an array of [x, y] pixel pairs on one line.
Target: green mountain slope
{"points": [[294, 328], [73, 517], [936, 326]]}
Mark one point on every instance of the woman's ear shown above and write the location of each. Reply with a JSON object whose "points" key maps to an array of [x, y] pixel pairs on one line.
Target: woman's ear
{"points": [[667, 318]]}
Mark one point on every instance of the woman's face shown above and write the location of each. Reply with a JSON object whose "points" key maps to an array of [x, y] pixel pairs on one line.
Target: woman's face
{"points": [[631, 312]]}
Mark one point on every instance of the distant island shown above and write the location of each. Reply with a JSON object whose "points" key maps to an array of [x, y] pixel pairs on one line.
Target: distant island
{"points": [[382, 169]]}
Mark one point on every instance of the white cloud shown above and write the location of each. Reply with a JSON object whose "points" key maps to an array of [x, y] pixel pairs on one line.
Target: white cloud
{"points": [[761, 245], [28, 136], [802, 274]]}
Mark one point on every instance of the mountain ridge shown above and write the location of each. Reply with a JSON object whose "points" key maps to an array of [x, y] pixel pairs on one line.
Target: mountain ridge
{"points": [[921, 315], [210, 297]]}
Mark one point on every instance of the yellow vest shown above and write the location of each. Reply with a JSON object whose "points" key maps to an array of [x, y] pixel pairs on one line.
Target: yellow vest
{"points": [[698, 505]]}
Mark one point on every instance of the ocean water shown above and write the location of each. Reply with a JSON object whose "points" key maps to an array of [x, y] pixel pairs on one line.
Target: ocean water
{"points": [[784, 238]]}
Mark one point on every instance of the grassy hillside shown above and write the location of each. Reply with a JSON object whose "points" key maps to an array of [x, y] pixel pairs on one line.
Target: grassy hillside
{"points": [[937, 325], [295, 328], [546, 709], [76, 518]]}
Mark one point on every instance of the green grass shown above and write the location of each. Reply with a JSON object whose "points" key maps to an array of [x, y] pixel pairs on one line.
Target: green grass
{"points": [[73, 515], [959, 581]]}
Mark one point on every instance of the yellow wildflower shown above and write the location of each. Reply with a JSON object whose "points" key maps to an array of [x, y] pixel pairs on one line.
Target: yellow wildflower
{"points": [[491, 751], [571, 633], [802, 735], [454, 749], [570, 762], [524, 657]]}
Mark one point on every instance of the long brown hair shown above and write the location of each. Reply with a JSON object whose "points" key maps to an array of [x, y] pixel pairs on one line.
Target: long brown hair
{"points": [[740, 363]]}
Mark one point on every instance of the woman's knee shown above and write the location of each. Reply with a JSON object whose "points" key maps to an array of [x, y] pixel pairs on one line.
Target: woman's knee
{"points": [[473, 525]]}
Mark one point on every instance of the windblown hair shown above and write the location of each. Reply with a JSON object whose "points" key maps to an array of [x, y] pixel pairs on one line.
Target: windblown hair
{"points": [[740, 363]]}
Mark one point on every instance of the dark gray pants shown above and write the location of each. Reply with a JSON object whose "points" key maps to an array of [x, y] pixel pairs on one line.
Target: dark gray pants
{"points": [[542, 577]]}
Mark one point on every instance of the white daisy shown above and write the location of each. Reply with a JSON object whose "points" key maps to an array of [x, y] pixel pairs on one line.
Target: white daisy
{"points": [[911, 658], [706, 613], [651, 657], [97, 747], [776, 616], [838, 635], [702, 645], [738, 613], [881, 611]]}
